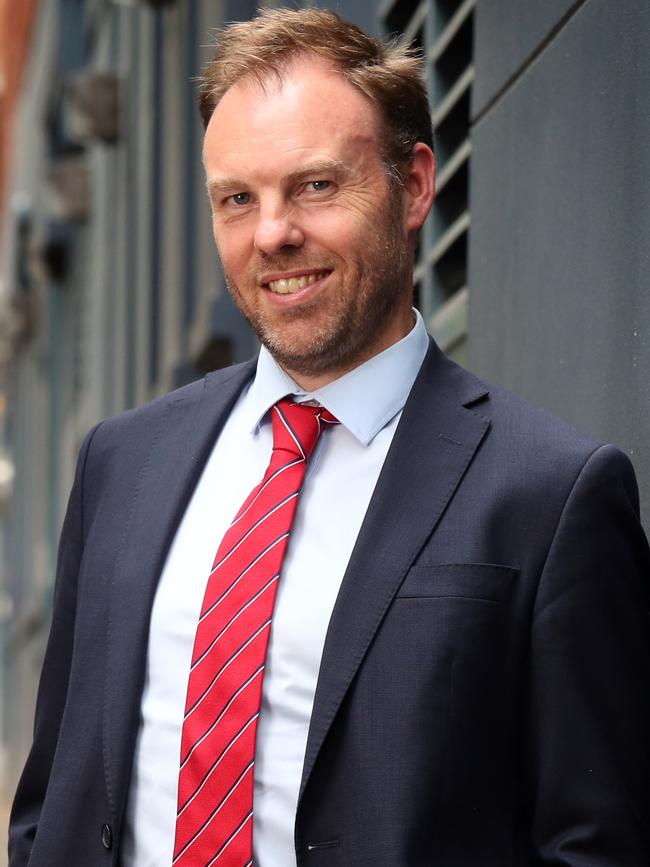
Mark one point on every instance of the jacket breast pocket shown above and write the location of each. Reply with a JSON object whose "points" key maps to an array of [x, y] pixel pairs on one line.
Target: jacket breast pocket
{"points": [[487, 581]]}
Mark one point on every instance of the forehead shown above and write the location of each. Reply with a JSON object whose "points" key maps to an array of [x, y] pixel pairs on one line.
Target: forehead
{"points": [[311, 113]]}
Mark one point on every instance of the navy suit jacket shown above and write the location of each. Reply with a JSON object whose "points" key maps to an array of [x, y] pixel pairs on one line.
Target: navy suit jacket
{"points": [[483, 697]]}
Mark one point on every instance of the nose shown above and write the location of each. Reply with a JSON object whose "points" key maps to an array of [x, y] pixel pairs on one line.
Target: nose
{"points": [[275, 230]]}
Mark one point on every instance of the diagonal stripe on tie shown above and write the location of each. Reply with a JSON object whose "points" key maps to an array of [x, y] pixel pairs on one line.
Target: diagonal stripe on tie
{"points": [[214, 824]]}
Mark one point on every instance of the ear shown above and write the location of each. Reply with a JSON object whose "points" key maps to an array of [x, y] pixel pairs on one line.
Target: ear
{"points": [[419, 186]]}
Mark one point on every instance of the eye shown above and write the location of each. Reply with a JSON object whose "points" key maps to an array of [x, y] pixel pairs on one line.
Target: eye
{"points": [[241, 198], [320, 186]]}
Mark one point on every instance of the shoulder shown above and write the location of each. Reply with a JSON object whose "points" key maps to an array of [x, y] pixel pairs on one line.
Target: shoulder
{"points": [[124, 441], [529, 449], [526, 426], [141, 417], [516, 427], [557, 469]]}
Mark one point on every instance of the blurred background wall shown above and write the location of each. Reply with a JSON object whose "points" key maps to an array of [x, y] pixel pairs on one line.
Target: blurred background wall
{"points": [[532, 269]]}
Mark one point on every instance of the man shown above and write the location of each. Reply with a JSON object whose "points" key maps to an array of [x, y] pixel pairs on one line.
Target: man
{"points": [[457, 668]]}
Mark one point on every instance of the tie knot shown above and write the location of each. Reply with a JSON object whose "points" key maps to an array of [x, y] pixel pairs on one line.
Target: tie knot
{"points": [[296, 427]]}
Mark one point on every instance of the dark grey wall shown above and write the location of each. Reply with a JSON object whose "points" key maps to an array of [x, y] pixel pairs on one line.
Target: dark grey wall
{"points": [[510, 32], [560, 238]]}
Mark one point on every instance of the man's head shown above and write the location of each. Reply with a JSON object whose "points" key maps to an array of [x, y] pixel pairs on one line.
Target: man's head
{"points": [[315, 235], [388, 74]]}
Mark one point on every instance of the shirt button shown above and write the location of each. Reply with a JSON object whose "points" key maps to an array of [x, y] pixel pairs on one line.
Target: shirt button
{"points": [[107, 837]]}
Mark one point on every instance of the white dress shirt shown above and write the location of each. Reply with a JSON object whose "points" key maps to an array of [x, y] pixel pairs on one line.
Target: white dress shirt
{"points": [[340, 479]]}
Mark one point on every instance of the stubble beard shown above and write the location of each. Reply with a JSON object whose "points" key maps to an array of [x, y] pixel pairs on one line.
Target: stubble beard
{"points": [[339, 332]]}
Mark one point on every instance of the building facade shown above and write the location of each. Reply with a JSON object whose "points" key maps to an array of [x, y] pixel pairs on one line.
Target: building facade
{"points": [[532, 268]]}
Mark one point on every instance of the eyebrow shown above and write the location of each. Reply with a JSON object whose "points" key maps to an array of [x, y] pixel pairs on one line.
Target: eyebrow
{"points": [[337, 167]]}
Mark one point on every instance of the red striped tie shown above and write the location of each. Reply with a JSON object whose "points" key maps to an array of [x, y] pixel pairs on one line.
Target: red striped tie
{"points": [[214, 824]]}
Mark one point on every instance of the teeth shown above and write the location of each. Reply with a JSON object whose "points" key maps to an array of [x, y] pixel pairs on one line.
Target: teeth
{"points": [[293, 284]]}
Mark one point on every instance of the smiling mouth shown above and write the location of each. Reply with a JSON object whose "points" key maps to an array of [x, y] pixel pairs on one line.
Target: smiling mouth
{"points": [[288, 285]]}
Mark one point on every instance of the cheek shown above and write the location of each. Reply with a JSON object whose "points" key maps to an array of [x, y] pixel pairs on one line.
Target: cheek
{"points": [[335, 231], [234, 248]]}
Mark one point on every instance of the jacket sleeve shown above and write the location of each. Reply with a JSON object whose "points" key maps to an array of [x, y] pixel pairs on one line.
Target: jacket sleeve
{"points": [[53, 686], [588, 734]]}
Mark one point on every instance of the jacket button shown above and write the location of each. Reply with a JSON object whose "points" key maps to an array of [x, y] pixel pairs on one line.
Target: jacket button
{"points": [[107, 837]]}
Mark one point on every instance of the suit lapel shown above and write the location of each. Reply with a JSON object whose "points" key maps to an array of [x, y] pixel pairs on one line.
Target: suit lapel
{"points": [[433, 445], [179, 447]]}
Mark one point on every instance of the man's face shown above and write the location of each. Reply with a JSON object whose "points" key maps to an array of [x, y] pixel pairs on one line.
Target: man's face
{"points": [[311, 236]]}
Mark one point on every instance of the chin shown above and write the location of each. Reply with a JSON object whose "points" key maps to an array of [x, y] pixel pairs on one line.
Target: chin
{"points": [[325, 353]]}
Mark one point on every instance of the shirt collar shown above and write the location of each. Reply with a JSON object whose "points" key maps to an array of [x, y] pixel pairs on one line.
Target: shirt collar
{"points": [[364, 400]]}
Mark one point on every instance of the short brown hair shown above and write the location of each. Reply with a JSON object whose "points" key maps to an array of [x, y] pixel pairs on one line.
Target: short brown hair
{"points": [[390, 74]]}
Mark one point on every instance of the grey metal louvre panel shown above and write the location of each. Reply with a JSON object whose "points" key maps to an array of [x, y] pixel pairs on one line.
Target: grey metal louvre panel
{"points": [[443, 30], [463, 12]]}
